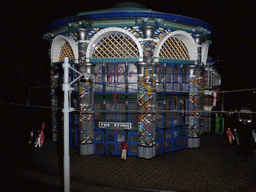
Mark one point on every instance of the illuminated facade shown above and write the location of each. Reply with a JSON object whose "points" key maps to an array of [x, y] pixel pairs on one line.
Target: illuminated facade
{"points": [[144, 79]]}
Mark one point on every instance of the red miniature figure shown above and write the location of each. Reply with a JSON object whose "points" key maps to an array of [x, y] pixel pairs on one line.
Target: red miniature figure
{"points": [[41, 135], [43, 126], [124, 150], [229, 134]]}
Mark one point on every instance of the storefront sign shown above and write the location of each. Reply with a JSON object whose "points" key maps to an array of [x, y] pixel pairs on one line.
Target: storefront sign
{"points": [[120, 125]]}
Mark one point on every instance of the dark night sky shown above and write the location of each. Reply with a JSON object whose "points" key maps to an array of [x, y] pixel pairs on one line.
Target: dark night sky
{"points": [[25, 62], [24, 53]]}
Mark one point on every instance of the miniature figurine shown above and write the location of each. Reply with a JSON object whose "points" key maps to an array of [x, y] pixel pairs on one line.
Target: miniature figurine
{"points": [[229, 134], [37, 142], [237, 138], [40, 139], [31, 137], [254, 136], [124, 150], [43, 126], [41, 135]]}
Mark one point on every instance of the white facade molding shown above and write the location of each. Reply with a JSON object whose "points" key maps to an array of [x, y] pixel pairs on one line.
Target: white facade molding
{"points": [[205, 48], [207, 108], [57, 45], [208, 92], [108, 31], [185, 37]]}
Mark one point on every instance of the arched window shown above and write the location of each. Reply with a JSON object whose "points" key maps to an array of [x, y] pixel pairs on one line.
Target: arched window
{"points": [[177, 45], [66, 51], [62, 47], [115, 45], [174, 48]]}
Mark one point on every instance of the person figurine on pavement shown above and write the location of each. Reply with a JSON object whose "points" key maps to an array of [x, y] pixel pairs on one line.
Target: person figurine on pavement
{"points": [[31, 137], [38, 140], [254, 136], [124, 150], [229, 134], [43, 126], [41, 135]]}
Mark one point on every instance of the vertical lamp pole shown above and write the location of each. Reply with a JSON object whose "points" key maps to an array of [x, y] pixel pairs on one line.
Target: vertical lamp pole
{"points": [[66, 110], [66, 88]]}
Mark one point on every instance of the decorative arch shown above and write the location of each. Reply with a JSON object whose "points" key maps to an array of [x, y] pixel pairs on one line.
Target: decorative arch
{"points": [[63, 46], [115, 33], [205, 48], [185, 42]]}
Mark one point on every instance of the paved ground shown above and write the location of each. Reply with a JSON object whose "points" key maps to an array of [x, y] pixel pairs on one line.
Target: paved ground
{"points": [[215, 166]]}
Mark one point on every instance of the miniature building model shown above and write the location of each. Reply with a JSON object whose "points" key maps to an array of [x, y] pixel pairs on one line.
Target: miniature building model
{"points": [[143, 83]]}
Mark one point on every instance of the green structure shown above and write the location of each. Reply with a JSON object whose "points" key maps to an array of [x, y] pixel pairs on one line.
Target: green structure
{"points": [[219, 125]]}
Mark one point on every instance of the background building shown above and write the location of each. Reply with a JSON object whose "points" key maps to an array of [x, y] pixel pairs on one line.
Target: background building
{"points": [[146, 74]]}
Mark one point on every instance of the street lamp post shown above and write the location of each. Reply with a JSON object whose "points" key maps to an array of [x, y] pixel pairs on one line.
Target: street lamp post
{"points": [[66, 88]]}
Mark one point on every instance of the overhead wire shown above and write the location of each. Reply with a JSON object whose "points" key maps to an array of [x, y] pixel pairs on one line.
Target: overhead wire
{"points": [[22, 105], [125, 111], [115, 85], [128, 111], [75, 62], [37, 87], [135, 90]]}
